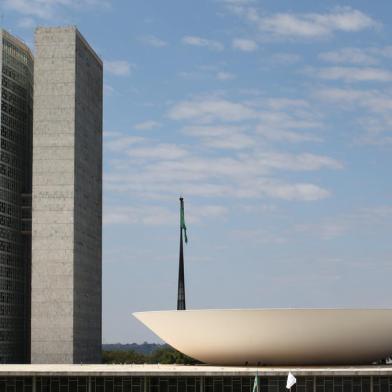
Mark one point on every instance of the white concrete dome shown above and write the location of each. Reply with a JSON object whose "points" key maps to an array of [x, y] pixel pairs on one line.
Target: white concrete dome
{"points": [[276, 336]]}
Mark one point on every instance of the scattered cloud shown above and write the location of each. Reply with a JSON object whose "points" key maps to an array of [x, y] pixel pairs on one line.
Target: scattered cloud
{"points": [[221, 137], [355, 74], [152, 215], [163, 151], [305, 25], [50, 9], [348, 56], [285, 58], [375, 111], [157, 170], [259, 236], [122, 143], [206, 110], [119, 67], [27, 23], [146, 125], [359, 220], [140, 215], [245, 45], [203, 42], [358, 56], [222, 75], [274, 120], [154, 41]]}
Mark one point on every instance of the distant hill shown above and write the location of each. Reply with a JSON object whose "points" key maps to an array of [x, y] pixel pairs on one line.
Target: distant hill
{"points": [[144, 348]]}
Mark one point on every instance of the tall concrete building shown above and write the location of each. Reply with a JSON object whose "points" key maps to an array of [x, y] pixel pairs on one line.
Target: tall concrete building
{"points": [[66, 199], [16, 67]]}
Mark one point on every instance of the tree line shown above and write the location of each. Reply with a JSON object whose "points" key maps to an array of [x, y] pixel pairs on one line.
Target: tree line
{"points": [[163, 355]]}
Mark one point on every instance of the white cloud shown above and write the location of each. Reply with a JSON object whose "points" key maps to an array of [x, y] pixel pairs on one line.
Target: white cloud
{"points": [[140, 215], [146, 125], [300, 162], [357, 56], [49, 9], [306, 25], [154, 41], [289, 121], [221, 137], [211, 109], [162, 151], [26, 23], [118, 67], [152, 215], [355, 74], [285, 58], [158, 170], [345, 224], [198, 41], [375, 111], [374, 101], [245, 45], [282, 135], [120, 142], [281, 120], [222, 75], [349, 56], [304, 192]]}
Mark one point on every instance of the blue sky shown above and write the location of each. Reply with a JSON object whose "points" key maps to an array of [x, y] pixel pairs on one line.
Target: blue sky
{"points": [[272, 118]]}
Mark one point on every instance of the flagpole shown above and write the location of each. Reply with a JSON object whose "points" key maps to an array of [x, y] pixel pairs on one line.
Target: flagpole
{"points": [[181, 277]]}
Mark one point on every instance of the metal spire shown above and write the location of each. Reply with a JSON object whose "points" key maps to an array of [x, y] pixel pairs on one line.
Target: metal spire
{"points": [[181, 279]]}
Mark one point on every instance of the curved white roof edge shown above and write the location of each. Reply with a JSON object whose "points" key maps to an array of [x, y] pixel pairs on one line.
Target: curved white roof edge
{"points": [[306, 336]]}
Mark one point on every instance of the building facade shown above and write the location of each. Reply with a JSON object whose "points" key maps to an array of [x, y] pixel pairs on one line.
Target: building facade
{"points": [[66, 199], [172, 378], [16, 67]]}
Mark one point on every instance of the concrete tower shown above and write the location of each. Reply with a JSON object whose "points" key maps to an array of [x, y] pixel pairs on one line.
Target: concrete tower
{"points": [[67, 199], [16, 67]]}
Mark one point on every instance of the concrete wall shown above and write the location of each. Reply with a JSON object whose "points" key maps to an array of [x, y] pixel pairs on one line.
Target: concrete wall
{"points": [[67, 208]]}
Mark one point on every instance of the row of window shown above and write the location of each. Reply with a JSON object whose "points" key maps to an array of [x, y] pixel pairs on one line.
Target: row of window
{"points": [[13, 123], [7, 259], [11, 309], [11, 160], [19, 54], [12, 286], [13, 99], [14, 75], [9, 184], [14, 87], [12, 111], [9, 235], [9, 322], [11, 222], [9, 197], [9, 247], [11, 273], [12, 298], [9, 171], [12, 134], [17, 65], [6, 336], [9, 146]]}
